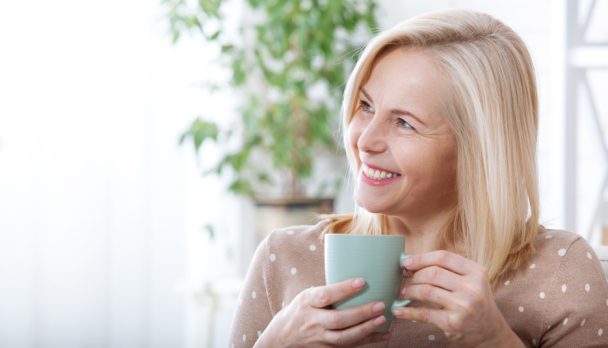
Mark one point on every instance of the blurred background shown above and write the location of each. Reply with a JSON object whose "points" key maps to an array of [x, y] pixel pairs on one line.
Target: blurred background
{"points": [[112, 234]]}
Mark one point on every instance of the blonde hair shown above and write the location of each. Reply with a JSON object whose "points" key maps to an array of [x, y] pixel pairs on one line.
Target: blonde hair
{"points": [[492, 108]]}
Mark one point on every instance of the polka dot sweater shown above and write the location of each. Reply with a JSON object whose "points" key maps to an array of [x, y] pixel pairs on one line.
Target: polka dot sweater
{"points": [[557, 299]]}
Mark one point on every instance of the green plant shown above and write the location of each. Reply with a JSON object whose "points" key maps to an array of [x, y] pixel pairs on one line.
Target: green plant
{"points": [[288, 63]]}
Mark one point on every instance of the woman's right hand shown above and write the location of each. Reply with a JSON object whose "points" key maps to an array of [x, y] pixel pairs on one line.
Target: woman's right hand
{"points": [[309, 321]]}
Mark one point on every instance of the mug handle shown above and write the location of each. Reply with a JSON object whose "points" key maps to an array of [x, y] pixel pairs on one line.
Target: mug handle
{"points": [[401, 303]]}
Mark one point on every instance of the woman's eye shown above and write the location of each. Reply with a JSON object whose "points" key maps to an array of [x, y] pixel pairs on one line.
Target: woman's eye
{"points": [[363, 105], [403, 123]]}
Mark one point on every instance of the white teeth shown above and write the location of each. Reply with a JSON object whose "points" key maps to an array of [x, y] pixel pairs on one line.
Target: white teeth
{"points": [[377, 174]]}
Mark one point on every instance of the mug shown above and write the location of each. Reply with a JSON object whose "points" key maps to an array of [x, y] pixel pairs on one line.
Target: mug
{"points": [[376, 259]]}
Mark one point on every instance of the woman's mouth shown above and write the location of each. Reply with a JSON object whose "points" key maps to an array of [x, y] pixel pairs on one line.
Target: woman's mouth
{"points": [[376, 176]]}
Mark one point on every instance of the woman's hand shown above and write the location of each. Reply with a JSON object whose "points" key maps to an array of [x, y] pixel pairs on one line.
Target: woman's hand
{"points": [[309, 322], [462, 302]]}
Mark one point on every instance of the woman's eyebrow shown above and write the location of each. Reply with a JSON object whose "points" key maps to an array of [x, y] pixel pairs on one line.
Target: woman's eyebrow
{"points": [[365, 93], [397, 112]]}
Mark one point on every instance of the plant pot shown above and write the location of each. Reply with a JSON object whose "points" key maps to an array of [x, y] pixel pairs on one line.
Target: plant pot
{"points": [[273, 213]]}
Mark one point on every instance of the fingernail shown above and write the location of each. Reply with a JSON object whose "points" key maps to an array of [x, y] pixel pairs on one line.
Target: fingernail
{"points": [[378, 307], [408, 262], [357, 283], [398, 311], [380, 320]]}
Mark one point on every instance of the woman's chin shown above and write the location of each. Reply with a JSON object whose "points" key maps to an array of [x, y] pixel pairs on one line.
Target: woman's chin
{"points": [[372, 207]]}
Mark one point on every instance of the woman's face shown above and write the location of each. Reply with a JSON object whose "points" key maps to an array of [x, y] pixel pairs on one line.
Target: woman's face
{"points": [[404, 146]]}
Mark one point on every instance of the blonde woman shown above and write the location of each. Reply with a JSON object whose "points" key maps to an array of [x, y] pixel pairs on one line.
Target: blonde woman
{"points": [[440, 121]]}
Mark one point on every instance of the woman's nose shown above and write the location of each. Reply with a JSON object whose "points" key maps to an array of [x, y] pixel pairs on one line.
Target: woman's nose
{"points": [[372, 138]]}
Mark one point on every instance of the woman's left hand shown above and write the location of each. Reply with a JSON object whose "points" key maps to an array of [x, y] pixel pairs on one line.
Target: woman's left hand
{"points": [[464, 305]]}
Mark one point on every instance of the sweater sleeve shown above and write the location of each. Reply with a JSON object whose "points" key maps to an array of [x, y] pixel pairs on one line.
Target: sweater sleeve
{"points": [[579, 317], [253, 311]]}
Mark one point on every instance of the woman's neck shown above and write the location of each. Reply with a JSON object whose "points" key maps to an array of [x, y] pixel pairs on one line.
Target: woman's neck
{"points": [[420, 236]]}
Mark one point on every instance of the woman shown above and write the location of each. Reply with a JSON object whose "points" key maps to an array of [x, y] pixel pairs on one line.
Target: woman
{"points": [[440, 126]]}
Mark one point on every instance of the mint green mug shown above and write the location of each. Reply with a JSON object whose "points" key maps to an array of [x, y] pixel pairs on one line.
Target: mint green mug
{"points": [[376, 259]]}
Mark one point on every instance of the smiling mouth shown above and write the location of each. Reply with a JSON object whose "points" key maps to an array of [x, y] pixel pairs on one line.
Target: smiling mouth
{"points": [[377, 174]]}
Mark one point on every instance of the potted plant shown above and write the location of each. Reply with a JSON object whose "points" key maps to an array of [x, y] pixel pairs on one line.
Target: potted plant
{"points": [[288, 63]]}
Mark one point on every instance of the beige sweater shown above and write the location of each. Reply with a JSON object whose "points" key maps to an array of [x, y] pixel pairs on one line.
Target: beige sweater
{"points": [[558, 299]]}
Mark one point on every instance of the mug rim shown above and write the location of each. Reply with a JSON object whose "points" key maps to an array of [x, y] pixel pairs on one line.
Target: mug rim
{"points": [[365, 235]]}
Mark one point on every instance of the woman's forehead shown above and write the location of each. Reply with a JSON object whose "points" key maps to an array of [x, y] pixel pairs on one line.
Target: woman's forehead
{"points": [[406, 78]]}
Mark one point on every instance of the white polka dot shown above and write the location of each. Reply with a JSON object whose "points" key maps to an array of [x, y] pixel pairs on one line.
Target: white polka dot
{"points": [[431, 337], [259, 333], [583, 322], [589, 256], [541, 295], [521, 309], [565, 322], [507, 282], [564, 288], [290, 232], [561, 252], [587, 287], [533, 266], [272, 257], [600, 332], [244, 338], [312, 247], [253, 295], [293, 271], [549, 236]]}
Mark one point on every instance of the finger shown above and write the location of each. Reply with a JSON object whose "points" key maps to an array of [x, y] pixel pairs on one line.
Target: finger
{"points": [[429, 293], [340, 319], [355, 333], [406, 273], [323, 296], [422, 314], [438, 276], [437, 317], [441, 258]]}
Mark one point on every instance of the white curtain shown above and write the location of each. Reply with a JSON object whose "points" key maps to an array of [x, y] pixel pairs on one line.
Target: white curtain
{"points": [[97, 201]]}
